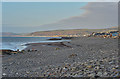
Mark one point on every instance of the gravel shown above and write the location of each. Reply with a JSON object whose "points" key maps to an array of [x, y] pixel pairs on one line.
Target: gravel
{"points": [[86, 57]]}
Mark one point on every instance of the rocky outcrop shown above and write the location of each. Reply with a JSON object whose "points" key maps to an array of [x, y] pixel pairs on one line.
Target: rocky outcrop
{"points": [[54, 39], [9, 52]]}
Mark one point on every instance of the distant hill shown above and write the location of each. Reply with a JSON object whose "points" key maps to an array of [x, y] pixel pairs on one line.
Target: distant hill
{"points": [[112, 28], [58, 32], [68, 32], [9, 34], [62, 32]]}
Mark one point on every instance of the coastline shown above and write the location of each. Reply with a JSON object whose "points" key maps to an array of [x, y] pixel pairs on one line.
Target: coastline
{"points": [[83, 57], [15, 43]]}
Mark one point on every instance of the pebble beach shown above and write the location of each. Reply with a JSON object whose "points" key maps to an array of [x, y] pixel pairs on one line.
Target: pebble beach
{"points": [[80, 57]]}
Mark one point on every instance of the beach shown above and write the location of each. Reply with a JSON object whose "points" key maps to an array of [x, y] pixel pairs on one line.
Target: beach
{"points": [[80, 57]]}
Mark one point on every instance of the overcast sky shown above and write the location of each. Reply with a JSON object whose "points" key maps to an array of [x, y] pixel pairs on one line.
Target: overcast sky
{"points": [[29, 17]]}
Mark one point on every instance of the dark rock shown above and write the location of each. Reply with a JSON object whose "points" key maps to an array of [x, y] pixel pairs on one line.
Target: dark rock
{"points": [[67, 37], [72, 55], [6, 51], [97, 76], [54, 39]]}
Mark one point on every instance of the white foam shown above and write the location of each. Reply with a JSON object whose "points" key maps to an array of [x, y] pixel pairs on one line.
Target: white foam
{"points": [[21, 44]]}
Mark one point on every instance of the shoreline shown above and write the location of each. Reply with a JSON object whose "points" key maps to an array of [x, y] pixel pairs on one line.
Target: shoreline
{"points": [[81, 57], [21, 45]]}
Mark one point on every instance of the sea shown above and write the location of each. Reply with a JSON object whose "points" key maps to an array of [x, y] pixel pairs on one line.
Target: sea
{"points": [[14, 43]]}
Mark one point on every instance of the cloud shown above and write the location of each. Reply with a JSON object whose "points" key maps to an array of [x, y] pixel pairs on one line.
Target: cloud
{"points": [[97, 15]]}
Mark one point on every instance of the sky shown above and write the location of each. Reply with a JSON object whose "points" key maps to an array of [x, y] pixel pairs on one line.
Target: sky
{"points": [[26, 17], [60, 0]]}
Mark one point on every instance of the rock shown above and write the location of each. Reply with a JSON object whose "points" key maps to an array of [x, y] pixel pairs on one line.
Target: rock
{"points": [[91, 75], [16, 73], [96, 76], [4, 74], [27, 72], [14, 52], [73, 68], [22, 51], [89, 66], [10, 52], [113, 68], [6, 51], [97, 67], [57, 48], [99, 73], [54, 39], [72, 55], [77, 68], [105, 73], [67, 37], [78, 75]]}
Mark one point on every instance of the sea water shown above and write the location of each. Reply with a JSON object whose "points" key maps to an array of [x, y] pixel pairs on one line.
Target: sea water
{"points": [[15, 43]]}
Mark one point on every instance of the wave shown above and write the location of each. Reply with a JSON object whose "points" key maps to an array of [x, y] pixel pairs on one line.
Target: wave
{"points": [[15, 43]]}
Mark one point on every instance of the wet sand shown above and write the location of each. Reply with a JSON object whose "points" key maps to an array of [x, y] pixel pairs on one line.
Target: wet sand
{"points": [[81, 57]]}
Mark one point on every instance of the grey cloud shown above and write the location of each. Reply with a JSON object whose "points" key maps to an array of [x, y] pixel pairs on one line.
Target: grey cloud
{"points": [[97, 15]]}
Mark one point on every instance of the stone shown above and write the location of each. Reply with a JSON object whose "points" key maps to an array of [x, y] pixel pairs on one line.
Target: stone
{"points": [[97, 67], [89, 66], [99, 73], [57, 48], [16, 73], [96, 76], [4, 74], [91, 75], [105, 73], [113, 68], [72, 55], [55, 39], [27, 72], [77, 68]]}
